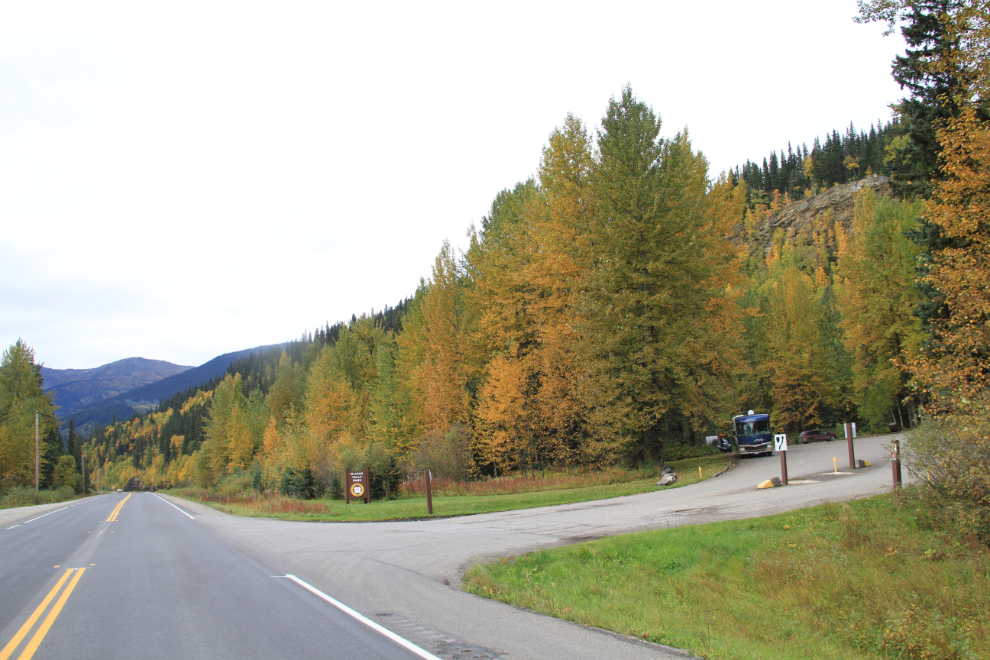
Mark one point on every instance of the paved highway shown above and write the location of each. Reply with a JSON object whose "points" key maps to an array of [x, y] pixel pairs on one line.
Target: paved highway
{"points": [[165, 585], [135, 576]]}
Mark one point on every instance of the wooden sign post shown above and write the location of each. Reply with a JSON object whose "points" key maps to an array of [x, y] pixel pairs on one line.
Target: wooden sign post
{"points": [[428, 481], [780, 444], [357, 486], [849, 441], [895, 462]]}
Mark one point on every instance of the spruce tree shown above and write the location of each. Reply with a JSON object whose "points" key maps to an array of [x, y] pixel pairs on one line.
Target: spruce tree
{"points": [[70, 441], [651, 319]]}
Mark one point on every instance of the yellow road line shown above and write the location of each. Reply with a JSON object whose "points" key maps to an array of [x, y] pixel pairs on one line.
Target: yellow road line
{"points": [[116, 510], [13, 643], [113, 516], [50, 619]]}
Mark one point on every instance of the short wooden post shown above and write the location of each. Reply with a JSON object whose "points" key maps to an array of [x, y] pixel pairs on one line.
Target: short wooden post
{"points": [[428, 480], [849, 441], [780, 444], [895, 462]]}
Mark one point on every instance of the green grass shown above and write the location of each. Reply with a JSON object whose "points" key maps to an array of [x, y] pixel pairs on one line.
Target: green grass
{"points": [[875, 578], [277, 506], [25, 496]]}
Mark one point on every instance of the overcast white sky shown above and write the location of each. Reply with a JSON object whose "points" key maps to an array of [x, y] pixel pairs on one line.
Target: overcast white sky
{"points": [[184, 179]]}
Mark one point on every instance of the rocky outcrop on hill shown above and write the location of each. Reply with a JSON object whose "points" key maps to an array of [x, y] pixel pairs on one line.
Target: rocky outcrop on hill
{"points": [[804, 214]]}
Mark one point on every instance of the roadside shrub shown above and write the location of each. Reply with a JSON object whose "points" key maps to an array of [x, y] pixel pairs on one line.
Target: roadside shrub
{"points": [[25, 496], [335, 487], [951, 456], [235, 483], [680, 452], [386, 475], [256, 476], [297, 483], [446, 455], [202, 475]]}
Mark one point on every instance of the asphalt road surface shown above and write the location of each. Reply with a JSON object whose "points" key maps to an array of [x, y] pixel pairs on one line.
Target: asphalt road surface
{"points": [[132, 576], [161, 584]]}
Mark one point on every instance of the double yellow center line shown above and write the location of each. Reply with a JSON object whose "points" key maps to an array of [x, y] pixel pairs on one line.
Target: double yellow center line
{"points": [[42, 630], [39, 634], [113, 515]]}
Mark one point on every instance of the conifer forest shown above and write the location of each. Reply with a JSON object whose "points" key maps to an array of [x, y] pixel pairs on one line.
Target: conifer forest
{"points": [[620, 305]]}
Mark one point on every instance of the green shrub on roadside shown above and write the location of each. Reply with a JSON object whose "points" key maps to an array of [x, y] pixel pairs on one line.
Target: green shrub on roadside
{"points": [[256, 476], [25, 496], [335, 487], [680, 452], [235, 483], [298, 484], [446, 455], [951, 456]]}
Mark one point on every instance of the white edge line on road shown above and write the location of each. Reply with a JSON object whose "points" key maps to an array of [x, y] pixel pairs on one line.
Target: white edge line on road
{"points": [[46, 514], [173, 506], [56, 511], [365, 620]]}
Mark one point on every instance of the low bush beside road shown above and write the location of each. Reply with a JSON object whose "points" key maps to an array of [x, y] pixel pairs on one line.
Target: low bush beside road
{"points": [[873, 578], [25, 496], [950, 455]]}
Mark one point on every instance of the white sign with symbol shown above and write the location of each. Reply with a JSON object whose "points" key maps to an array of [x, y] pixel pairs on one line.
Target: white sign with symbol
{"points": [[780, 442]]}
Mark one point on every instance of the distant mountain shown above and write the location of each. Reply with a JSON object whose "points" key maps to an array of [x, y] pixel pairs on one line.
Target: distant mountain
{"points": [[75, 389], [166, 387], [140, 399]]}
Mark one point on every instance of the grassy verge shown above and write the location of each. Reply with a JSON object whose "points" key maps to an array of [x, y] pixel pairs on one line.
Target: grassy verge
{"points": [[25, 496], [411, 507], [874, 578]]}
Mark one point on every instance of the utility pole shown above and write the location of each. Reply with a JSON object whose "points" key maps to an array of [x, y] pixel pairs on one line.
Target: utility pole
{"points": [[35, 452], [84, 473]]}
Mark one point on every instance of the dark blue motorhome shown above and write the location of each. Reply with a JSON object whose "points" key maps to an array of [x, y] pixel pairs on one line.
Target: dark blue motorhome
{"points": [[753, 434]]}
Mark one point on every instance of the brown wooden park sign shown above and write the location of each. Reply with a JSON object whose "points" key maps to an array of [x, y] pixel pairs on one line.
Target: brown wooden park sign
{"points": [[357, 486]]}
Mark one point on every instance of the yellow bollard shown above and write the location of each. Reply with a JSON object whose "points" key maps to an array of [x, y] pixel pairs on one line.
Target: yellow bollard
{"points": [[835, 465], [699, 473]]}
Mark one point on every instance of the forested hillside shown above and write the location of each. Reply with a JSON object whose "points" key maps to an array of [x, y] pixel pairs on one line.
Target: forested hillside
{"points": [[841, 158], [625, 300], [619, 302]]}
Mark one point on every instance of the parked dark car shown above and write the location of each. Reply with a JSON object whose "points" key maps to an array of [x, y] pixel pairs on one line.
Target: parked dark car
{"points": [[816, 435]]}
